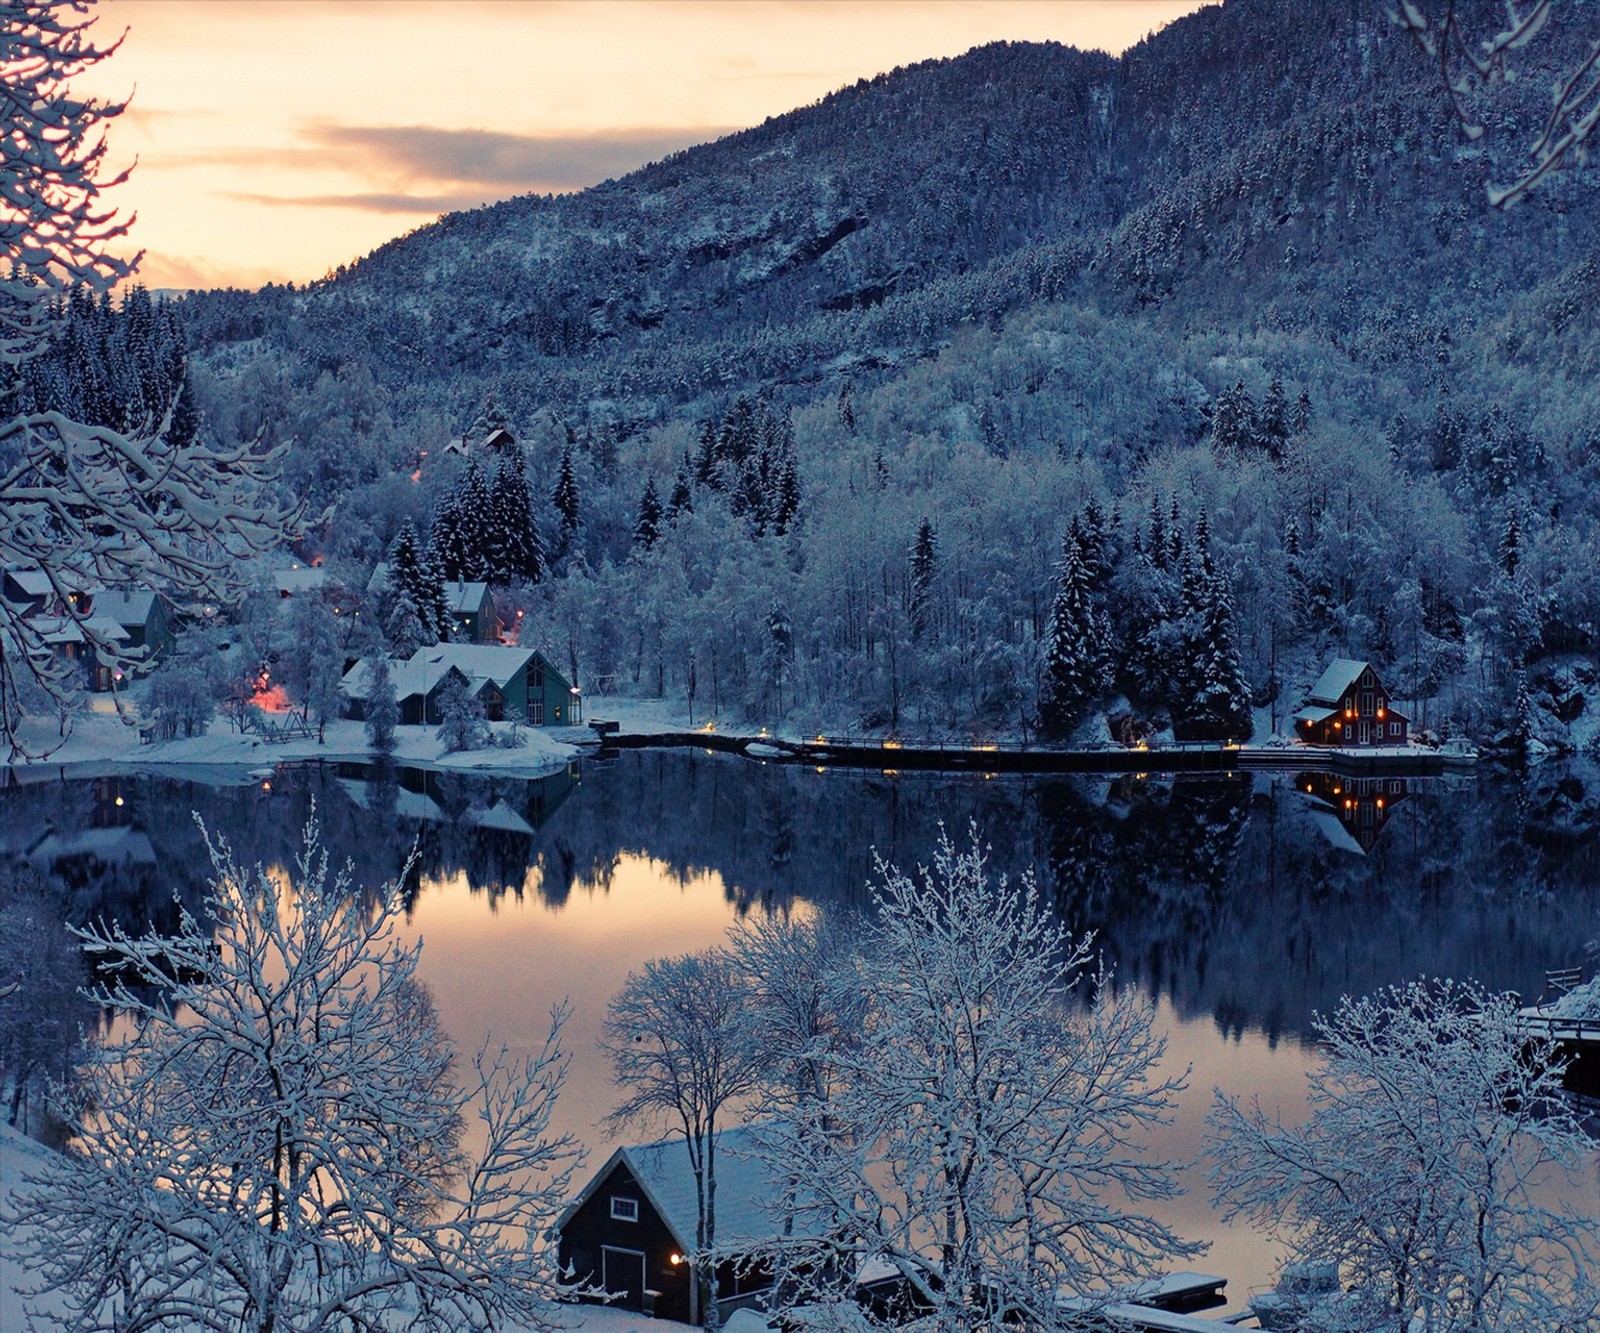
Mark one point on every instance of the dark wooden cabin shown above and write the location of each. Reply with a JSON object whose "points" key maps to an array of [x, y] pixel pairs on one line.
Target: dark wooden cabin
{"points": [[1350, 706], [631, 1231], [1350, 812]]}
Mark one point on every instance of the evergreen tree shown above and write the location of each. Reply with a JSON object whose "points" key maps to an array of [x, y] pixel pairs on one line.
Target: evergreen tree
{"points": [[924, 560], [1273, 432], [682, 500], [1074, 667], [445, 538], [409, 622], [565, 499], [474, 505], [1212, 697], [1510, 549], [515, 551], [847, 407], [1299, 420], [1233, 423], [647, 523]]}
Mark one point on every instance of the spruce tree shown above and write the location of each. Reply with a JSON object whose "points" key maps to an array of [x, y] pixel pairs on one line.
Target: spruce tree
{"points": [[924, 560], [647, 522], [565, 499], [445, 540], [383, 709], [474, 505], [411, 578], [515, 551], [1074, 660], [682, 501]]}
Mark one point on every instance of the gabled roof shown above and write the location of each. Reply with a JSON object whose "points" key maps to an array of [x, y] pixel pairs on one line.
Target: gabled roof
{"points": [[475, 661], [126, 608], [66, 629], [1314, 714], [662, 1169], [464, 597], [411, 678], [1341, 674]]}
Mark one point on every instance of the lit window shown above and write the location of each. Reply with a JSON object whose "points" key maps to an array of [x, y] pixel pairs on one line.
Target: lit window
{"points": [[624, 1210], [1348, 729]]}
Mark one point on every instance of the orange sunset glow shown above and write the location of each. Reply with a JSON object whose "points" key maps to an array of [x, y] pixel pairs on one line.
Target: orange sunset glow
{"points": [[277, 139]]}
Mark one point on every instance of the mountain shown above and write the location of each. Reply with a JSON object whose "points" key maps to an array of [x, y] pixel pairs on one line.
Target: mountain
{"points": [[1047, 278]]}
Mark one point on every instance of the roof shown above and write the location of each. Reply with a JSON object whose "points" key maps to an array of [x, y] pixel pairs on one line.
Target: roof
{"points": [[662, 1170], [464, 597], [1341, 674], [126, 608], [1332, 828], [1314, 714], [34, 582], [66, 629], [302, 578], [426, 669]]}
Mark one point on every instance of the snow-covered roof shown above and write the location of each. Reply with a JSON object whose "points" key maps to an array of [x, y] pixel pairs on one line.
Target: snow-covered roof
{"points": [[498, 816], [379, 582], [126, 608], [34, 582], [465, 598], [105, 844], [64, 629], [1341, 674], [475, 661], [1314, 714], [411, 678], [662, 1169], [302, 578]]}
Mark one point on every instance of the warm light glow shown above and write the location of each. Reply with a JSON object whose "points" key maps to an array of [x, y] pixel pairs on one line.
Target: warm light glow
{"points": [[676, 1259], [118, 801], [891, 745], [270, 698]]}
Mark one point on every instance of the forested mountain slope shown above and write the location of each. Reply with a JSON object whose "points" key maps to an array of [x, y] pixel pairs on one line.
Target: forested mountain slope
{"points": [[1247, 267]]}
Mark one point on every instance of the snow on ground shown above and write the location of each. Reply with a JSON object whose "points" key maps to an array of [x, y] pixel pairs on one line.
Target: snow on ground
{"points": [[20, 1156], [105, 742]]}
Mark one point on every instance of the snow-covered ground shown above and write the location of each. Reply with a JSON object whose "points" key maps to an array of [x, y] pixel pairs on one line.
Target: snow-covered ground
{"points": [[20, 1156], [103, 741]]}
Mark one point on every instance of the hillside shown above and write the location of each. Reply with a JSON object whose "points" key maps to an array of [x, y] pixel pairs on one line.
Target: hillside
{"points": [[1042, 279]]}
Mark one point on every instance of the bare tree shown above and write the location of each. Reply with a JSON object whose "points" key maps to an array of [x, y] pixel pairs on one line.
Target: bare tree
{"points": [[1474, 66], [980, 1137], [89, 506], [274, 1141], [1416, 1173], [678, 1045]]}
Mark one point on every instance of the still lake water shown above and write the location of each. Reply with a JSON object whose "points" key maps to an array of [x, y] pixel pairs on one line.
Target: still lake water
{"points": [[1241, 904]]}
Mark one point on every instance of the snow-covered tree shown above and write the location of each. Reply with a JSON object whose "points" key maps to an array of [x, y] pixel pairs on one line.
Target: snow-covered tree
{"points": [[919, 584], [90, 505], [271, 1139], [981, 1135], [383, 708], [462, 725], [565, 499], [1423, 1169], [513, 545], [647, 522], [415, 595], [680, 1051], [1074, 663]]}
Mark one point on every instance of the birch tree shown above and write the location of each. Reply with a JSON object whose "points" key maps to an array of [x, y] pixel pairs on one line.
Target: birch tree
{"points": [[678, 1047], [274, 1140], [981, 1137], [87, 505], [1423, 1170]]}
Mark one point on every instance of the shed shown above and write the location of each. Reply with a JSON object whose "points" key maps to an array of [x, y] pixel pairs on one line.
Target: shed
{"points": [[630, 1231]]}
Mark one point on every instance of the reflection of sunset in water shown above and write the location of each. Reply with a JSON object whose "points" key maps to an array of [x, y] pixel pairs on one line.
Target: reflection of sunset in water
{"points": [[498, 969]]}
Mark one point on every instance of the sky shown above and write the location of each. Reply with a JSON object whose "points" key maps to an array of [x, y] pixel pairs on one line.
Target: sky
{"points": [[277, 139]]}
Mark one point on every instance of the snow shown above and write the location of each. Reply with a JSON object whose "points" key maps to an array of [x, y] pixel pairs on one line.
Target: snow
{"points": [[105, 744]]}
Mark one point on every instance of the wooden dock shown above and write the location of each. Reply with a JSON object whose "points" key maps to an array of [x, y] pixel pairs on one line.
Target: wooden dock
{"points": [[892, 756]]}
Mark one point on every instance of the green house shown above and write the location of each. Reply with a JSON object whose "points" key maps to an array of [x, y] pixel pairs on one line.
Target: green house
{"points": [[510, 682]]}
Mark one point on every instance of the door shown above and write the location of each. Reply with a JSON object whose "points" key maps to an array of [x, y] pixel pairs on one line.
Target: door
{"points": [[622, 1275], [1366, 733]]}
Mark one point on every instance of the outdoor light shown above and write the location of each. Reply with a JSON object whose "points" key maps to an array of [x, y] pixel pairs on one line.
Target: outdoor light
{"points": [[118, 801], [676, 1259]]}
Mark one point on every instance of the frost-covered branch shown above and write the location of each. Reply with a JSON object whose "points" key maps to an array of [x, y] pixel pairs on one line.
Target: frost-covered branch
{"points": [[1472, 66], [274, 1138]]}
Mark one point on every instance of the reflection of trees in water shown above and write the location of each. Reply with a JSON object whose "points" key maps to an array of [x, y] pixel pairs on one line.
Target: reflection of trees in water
{"points": [[1218, 891]]}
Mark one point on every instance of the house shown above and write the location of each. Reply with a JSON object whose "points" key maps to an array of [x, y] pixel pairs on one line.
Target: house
{"points": [[631, 1229], [510, 683], [142, 617], [1350, 705], [300, 581], [472, 614], [75, 639]]}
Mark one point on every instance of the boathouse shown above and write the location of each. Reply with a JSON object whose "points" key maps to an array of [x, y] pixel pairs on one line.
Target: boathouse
{"points": [[1350, 706], [630, 1232]]}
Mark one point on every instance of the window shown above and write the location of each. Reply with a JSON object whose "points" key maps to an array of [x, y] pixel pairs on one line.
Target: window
{"points": [[536, 712], [1394, 728], [536, 676], [1348, 731], [624, 1210], [1366, 703]]}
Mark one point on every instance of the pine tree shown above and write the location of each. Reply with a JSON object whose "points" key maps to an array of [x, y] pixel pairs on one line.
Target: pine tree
{"points": [[403, 628], [410, 615], [515, 551], [1510, 548], [445, 539], [565, 499], [474, 505], [847, 407], [383, 709], [1074, 673], [1300, 415], [647, 523], [1233, 424], [1212, 698], [924, 561], [1274, 427], [682, 501]]}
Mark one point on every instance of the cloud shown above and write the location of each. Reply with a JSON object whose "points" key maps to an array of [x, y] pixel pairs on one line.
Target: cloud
{"points": [[374, 202], [493, 157]]}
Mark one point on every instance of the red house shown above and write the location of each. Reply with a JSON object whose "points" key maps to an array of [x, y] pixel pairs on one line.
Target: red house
{"points": [[1350, 706]]}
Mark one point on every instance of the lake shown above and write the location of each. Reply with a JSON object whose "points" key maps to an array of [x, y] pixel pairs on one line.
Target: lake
{"points": [[1241, 903]]}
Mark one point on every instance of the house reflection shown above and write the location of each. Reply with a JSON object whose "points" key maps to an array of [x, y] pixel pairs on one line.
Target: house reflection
{"points": [[1351, 812]]}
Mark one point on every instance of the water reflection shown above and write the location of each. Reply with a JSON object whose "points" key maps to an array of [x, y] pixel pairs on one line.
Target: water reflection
{"points": [[1240, 902]]}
